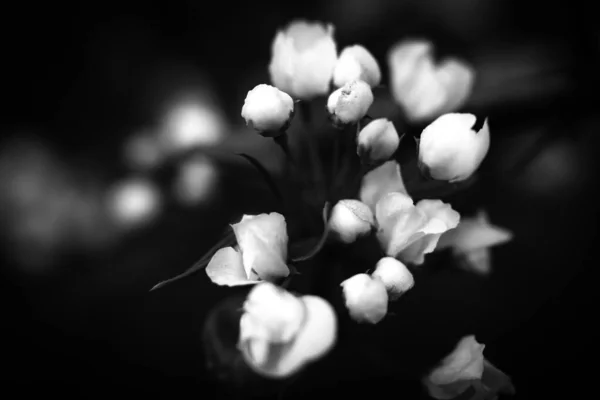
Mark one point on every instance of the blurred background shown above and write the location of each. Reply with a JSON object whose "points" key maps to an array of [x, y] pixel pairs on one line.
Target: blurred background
{"points": [[117, 170]]}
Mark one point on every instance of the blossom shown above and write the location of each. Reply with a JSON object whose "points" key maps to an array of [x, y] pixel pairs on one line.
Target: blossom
{"points": [[268, 109], [356, 63], [377, 141], [303, 56], [366, 298], [408, 232], [456, 370], [382, 180], [451, 149], [394, 275], [261, 252], [425, 90], [281, 333], [351, 102], [351, 219], [471, 240]]}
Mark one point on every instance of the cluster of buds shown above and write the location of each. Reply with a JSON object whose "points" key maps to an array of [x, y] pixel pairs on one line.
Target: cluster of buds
{"points": [[281, 332]]}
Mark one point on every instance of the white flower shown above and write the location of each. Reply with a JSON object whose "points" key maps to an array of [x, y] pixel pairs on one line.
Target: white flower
{"points": [[450, 149], [262, 241], [356, 63], [351, 219], [380, 181], [303, 57], [377, 141], [394, 275], [281, 333], [268, 109], [408, 232], [452, 376], [425, 90], [471, 240], [351, 102], [366, 298], [438, 213]]}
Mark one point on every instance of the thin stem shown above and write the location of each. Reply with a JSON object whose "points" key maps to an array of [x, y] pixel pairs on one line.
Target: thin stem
{"points": [[282, 142]]}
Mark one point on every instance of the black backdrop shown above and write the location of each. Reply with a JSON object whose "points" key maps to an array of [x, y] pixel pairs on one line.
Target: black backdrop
{"points": [[77, 74]]}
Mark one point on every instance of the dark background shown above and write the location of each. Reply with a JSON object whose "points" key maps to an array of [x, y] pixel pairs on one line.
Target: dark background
{"points": [[81, 77]]}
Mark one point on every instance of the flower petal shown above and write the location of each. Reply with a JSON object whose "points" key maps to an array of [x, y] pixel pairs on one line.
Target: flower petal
{"points": [[465, 362], [225, 268], [263, 243], [473, 234], [382, 180]]}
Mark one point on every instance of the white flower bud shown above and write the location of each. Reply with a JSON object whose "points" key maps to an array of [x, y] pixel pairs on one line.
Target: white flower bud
{"points": [[377, 141], [303, 57], [366, 298], [260, 254], [351, 102], [356, 63], [394, 275], [450, 149], [268, 109], [351, 219]]}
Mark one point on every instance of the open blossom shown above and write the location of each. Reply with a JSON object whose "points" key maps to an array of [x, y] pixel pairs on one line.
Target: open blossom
{"points": [[377, 141], [395, 276], [425, 90], [351, 219], [268, 110], [261, 252], [303, 56], [471, 240], [451, 148], [452, 377], [356, 63], [382, 180], [351, 102], [366, 298], [407, 231], [281, 333]]}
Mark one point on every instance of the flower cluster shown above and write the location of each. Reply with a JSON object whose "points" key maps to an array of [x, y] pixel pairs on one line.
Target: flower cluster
{"points": [[281, 332]]}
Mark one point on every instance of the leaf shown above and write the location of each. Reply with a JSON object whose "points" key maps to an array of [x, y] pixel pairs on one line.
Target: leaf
{"points": [[265, 174], [226, 241], [323, 239]]}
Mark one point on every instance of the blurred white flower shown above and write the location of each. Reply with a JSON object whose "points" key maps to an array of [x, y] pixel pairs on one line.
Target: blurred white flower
{"points": [[351, 102], [450, 149], [366, 298], [191, 123], [425, 90], [350, 219], [395, 276], [377, 141], [303, 57], [143, 151], [380, 181], [356, 63], [196, 180], [261, 252], [452, 377], [408, 232], [281, 333], [268, 110], [134, 202], [471, 240]]}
